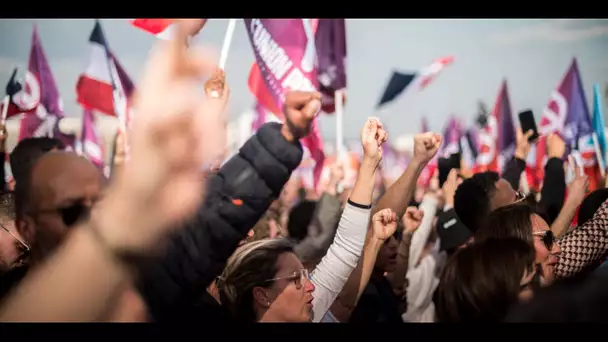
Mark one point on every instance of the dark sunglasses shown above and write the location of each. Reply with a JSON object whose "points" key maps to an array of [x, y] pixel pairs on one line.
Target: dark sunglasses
{"points": [[547, 238], [72, 214]]}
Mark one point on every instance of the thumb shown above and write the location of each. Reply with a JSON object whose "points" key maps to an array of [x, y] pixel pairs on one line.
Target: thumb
{"points": [[297, 99]]}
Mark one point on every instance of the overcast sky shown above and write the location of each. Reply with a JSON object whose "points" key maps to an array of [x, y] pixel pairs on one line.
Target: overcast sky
{"points": [[533, 55]]}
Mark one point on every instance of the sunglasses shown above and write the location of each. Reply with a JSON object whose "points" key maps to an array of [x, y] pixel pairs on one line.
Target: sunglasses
{"points": [[72, 214], [297, 277], [546, 237]]}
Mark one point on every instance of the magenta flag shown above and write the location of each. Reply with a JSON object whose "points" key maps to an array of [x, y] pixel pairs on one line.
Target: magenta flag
{"points": [[286, 55], [41, 96]]}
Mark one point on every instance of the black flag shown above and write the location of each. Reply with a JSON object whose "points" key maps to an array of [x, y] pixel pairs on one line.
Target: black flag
{"points": [[396, 85], [13, 87]]}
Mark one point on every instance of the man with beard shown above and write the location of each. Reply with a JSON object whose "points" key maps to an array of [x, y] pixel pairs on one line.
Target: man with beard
{"points": [[13, 250]]}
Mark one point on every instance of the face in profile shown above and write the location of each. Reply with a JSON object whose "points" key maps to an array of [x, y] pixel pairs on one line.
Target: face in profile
{"points": [[546, 247], [289, 298], [13, 251]]}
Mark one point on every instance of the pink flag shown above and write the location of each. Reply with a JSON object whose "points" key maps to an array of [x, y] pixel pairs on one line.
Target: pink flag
{"points": [[90, 141], [286, 54], [40, 97]]}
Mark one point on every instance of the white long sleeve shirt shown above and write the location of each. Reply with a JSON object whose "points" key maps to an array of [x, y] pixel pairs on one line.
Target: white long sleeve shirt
{"points": [[341, 259]]}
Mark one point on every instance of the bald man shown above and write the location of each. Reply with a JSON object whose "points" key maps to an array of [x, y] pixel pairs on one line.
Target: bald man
{"points": [[59, 192]]}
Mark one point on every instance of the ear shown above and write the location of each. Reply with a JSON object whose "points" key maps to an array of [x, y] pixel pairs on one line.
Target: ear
{"points": [[260, 297], [26, 228]]}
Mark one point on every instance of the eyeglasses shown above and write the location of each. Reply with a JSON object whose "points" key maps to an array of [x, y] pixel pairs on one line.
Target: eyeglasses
{"points": [[24, 245], [297, 277], [72, 214], [519, 197], [547, 238]]}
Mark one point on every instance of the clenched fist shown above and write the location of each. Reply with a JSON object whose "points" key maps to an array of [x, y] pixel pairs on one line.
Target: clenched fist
{"points": [[412, 219], [426, 146], [300, 108], [384, 224], [373, 136]]}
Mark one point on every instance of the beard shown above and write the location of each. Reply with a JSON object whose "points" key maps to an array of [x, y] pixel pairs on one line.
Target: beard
{"points": [[11, 278]]}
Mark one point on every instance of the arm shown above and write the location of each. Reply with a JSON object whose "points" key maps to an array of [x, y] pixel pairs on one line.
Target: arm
{"points": [[517, 165], [324, 222], [343, 255], [237, 197], [384, 225], [346, 302], [397, 197], [420, 237], [584, 245], [397, 279], [513, 170], [576, 194], [554, 189]]}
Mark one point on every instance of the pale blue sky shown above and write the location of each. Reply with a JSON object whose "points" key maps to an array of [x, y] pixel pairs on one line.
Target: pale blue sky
{"points": [[532, 54]]}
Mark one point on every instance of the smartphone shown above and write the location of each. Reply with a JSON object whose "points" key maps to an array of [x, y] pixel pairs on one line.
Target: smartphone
{"points": [[445, 165], [527, 122]]}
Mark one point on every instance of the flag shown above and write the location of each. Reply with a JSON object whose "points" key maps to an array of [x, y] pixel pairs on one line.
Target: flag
{"points": [[468, 148], [285, 51], [161, 28], [101, 86], [421, 79], [40, 97], [330, 40], [497, 139], [396, 85], [567, 114], [598, 119], [451, 138], [90, 141], [12, 89]]}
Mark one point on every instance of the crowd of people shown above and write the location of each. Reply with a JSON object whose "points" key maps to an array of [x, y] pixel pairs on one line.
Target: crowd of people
{"points": [[163, 239]]}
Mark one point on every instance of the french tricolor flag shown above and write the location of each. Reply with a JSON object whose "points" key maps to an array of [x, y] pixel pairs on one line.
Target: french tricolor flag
{"points": [[104, 86]]}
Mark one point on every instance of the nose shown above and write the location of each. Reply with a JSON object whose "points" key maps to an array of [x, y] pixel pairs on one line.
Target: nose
{"points": [[556, 249], [308, 285]]}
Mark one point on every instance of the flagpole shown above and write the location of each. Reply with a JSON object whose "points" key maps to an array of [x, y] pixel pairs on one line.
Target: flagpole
{"points": [[5, 102], [598, 153], [339, 105], [227, 42]]}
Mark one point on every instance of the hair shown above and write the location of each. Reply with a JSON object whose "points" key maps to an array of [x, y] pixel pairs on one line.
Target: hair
{"points": [[511, 221], [261, 229], [7, 204], [591, 204], [251, 265], [482, 281], [26, 153], [299, 220], [472, 199]]}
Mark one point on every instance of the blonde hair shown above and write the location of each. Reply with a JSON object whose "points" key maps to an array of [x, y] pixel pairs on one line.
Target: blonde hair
{"points": [[251, 265]]}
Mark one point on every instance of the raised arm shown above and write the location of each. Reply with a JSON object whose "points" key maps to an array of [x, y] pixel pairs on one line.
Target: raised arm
{"points": [[343, 255], [584, 245], [397, 196], [384, 225], [577, 190]]}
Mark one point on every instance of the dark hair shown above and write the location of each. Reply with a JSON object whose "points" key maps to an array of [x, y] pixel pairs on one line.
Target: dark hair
{"points": [[591, 204], [251, 265], [472, 199], [511, 221], [299, 220], [482, 281], [26, 153], [7, 204], [581, 298]]}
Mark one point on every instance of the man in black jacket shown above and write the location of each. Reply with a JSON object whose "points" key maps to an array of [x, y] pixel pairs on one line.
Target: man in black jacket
{"points": [[237, 197]]}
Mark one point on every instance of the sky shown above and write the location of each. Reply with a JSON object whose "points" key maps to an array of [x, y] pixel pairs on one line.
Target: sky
{"points": [[532, 55]]}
